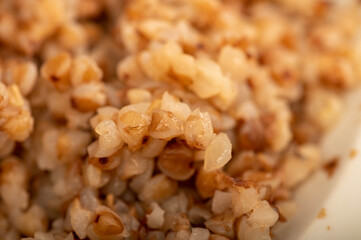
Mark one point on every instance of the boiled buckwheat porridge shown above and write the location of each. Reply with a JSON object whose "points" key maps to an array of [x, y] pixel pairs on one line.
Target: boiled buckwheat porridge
{"points": [[165, 119]]}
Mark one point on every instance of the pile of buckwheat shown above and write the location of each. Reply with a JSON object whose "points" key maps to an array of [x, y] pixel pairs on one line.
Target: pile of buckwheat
{"points": [[165, 119]]}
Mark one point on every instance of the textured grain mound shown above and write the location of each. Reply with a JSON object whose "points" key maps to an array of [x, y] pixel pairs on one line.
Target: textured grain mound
{"points": [[165, 119]]}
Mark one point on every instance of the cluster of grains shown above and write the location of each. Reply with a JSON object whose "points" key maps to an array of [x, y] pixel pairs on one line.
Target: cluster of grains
{"points": [[165, 119], [16, 123]]}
